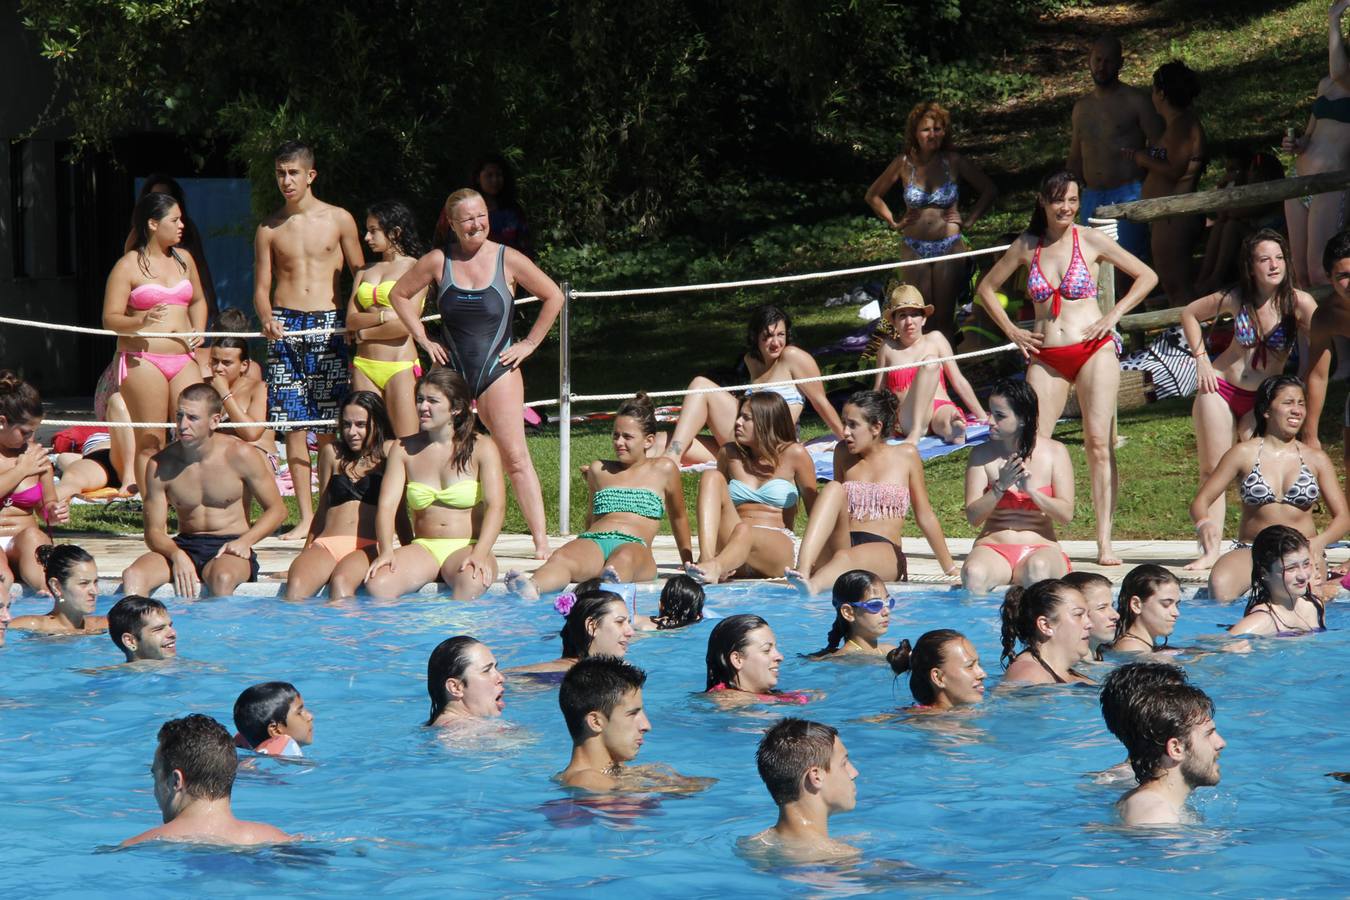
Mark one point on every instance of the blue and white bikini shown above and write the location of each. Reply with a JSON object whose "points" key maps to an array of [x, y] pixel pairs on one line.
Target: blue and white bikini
{"points": [[944, 196]]}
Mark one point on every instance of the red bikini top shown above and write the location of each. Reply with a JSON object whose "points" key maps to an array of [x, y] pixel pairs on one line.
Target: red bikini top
{"points": [[1015, 499]]}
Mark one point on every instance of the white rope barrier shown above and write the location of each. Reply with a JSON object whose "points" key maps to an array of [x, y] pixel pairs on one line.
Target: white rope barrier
{"points": [[784, 279]]}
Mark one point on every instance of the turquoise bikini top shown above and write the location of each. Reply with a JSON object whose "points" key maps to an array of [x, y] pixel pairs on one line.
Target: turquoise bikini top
{"points": [[630, 500], [778, 492]]}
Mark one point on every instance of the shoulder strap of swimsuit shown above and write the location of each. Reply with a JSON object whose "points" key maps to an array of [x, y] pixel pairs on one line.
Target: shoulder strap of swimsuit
{"points": [[1046, 666]]}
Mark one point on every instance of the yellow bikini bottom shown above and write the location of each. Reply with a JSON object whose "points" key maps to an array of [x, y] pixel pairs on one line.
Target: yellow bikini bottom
{"points": [[380, 371], [441, 548]]}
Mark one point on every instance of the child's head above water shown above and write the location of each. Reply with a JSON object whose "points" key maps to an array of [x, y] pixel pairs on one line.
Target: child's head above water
{"points": [[274, 709]]}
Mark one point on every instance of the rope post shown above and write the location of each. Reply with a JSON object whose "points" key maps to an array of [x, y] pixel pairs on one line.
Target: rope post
{"points": [[565, 412], [1106, 272]]}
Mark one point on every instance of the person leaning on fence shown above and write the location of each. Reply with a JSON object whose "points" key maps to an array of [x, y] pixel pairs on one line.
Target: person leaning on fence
{"points": [[1071, 343]]}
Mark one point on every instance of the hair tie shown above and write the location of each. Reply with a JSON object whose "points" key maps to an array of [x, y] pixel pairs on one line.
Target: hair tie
{"points": [[564, 602]]}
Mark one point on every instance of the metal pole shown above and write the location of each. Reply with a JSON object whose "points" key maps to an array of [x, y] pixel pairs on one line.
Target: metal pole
{"points": [[565, 413]]}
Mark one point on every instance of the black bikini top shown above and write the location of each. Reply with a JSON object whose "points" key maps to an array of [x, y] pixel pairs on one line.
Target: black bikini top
{"points": [[342, 490]]}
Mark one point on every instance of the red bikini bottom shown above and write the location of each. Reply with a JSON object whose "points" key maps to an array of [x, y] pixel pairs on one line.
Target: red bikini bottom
{"points": [[1067, 360]]}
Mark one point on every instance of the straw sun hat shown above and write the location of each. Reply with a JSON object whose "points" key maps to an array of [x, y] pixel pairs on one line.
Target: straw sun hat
{"points": [[906, 296]]}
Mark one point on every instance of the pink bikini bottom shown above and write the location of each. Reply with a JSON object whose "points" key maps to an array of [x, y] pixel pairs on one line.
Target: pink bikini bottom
{"points": [[169, 364]]}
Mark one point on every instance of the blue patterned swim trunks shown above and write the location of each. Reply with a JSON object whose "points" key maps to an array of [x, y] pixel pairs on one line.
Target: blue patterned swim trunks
{"points": [[307, 376]]}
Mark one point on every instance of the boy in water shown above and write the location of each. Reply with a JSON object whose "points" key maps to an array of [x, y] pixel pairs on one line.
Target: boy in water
{"points": [[141, 629], [205, 476], [193, 770], [601, 701], [272, 720], [806, 768], [298, 256]]}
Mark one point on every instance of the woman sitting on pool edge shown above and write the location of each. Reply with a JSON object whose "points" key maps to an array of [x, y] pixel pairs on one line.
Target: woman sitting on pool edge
{"points": [[1149, 605], [862, 615], [629, 497], [745, 527], [343, 539], [925, 403], [456, 522], [944, 670], [1017, 487], [1283, 603], [1050, 619], [463, 682], [72, 580], [597, 623], [859, 516], [742, 662], [770, 356], [1282, 481]]}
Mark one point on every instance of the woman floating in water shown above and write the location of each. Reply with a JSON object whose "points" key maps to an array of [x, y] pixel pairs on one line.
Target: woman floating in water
{"points": [[743, 660], [862, 615], [72, 580], [1050, 620], [1096, 590], [463, 682], [1150, 604], [944, 670], [1282, 601], [598, 624]]}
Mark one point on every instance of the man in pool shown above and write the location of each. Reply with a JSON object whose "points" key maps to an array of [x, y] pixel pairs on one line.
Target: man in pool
{"points": [[193, 771], [205, 476], [808, 773], [1330, 321], [1174, 748], [601, 701], [142, 629]]}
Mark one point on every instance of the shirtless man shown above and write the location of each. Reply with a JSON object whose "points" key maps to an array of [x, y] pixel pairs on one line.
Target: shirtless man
{"points": [[808, 773], [193, 771], [142, 630], [1174, 748], [1331, 320], [298, 254], [205, 476], [601, 701], [1114, 117]]}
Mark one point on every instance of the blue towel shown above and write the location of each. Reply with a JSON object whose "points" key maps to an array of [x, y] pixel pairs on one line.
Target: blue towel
{"points": [[930, 447]]}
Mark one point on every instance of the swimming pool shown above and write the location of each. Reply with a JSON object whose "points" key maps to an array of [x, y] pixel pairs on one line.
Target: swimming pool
{"points": [[1003, 802]]}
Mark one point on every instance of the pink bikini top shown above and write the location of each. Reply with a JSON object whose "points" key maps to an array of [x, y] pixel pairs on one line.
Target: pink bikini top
{"points": [[799, 697], [899, 380], [871, 500], [26, 499], [1077, 283], [148, 296]]}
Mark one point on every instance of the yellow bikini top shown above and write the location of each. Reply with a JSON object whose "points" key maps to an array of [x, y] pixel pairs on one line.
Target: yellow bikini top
{"points": [[368, 294], [460, 495]]}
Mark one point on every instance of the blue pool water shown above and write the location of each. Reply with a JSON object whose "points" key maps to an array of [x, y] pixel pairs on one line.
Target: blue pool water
{"points": [[1003, 802]]}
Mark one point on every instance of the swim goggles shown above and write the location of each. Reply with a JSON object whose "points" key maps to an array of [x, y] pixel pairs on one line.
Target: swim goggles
{"points": [[874, 606]]}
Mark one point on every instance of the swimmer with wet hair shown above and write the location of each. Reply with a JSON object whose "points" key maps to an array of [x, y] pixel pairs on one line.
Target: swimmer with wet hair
{"points": [[272, 720], [72, 580], [862, 615], [463, 682], [1149, 606], [1050, 620], [193, 770], [681, 604], [1174, 747], [1096, 590], [601, 702], [597, 623], [742, 664], [808, 772], [1282, 602], [944, 670], [142, 629]]}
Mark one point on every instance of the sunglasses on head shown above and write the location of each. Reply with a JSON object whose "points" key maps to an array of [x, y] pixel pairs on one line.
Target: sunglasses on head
{"points": [[874, 606]]}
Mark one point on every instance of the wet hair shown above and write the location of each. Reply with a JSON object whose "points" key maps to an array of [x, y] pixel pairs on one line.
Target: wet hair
{"points": [[1024, 403], [399, 225], [450, 659], [641, 408], [1142, 582], [59, 560], [1177, 82], [1271, 546], [761, 318], [444, 232], [262, 705], [20, 402], [232, 320], [1022, 607], [127, 616], [201, 392], [378, 431], [788, 750], [506, 197], [1284, 298], [596, 684], [878, 408], [152, 207], [295, 150], [1052, 189], [590, 584], [1160, 713], [774, 429], [1266, 393], [456, 390], [728, 636], [929, 109], [1337, 249], [920, 660], [202, 749], [850, 587], [590, 606], [1081, 581], [681, 603], [1125, 686]]}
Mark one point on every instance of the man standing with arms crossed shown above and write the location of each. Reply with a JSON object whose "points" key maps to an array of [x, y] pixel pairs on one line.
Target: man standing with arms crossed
{"points": [[298, 255]]}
